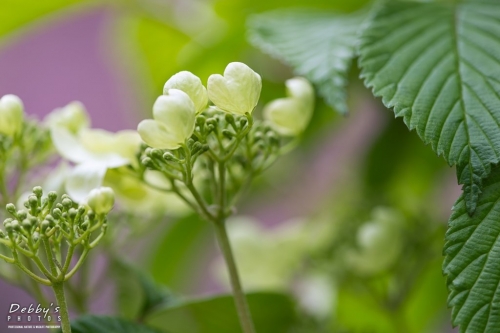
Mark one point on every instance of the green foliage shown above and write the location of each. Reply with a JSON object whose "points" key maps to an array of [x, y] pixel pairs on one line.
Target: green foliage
{"points": [[272, 313], [134, 284], [472, 261], [105, 324], [298, 37], [436, 64]]}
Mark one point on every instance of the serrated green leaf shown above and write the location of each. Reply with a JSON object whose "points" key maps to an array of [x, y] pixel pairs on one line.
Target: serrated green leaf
{"points": [[317, 44], [271, 313], [438, 66], [472, 262], [105, 324]]}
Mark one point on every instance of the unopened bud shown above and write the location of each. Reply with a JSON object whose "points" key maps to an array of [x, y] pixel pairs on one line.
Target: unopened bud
{"points": [[11, 208], [44, 226], [146, 161], [33, 201], [21, 214], [26, 225], [11, 115], [101, 200], [52, 196], [2, 234], [170, 157], [156, 153], [15, 225], [67, 203], [243, 122], [38, 191], [227, 133], [72, 213], [201, 120], [56, 212]]}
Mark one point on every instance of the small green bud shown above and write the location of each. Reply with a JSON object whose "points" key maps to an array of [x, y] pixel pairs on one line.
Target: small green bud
{"points": [[22, 214], [156, 153], [8, 227], [201, 120], [11, 208], [15, 225], [85, 225], [210, 128], [50, 219], [72, 213], [52, 196], [33, 201], [26, 225], [81, 209], [38, 191], [91, 215], [273, 139], [59, 206], [190, 143], [243, 121], [229, 118], [148, 151], [67, 203], [32, 220], [2, 234], [9, 220], [227, 133], [197, 146], [258, 136], [36, 236], [56, 212], [146, 161], [101, 200], [44, 226], [170, 157]]}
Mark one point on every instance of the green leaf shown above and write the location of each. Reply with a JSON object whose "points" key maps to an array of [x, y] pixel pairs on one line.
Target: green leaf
{"points": [[272, 313], [472, 262], [438, 66], [317, 44], [134, 284], [105, 324], [179, 251]]}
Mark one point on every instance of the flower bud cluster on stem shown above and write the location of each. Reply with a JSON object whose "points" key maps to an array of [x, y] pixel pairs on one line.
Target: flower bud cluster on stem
{"points": [[210, 154], [47, 231]]}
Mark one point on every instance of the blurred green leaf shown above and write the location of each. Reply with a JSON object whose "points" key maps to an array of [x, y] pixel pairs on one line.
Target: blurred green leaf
{"points": [[105, 324], [134, 284], [271, 312], [437, 65], [179, 251], [472, 260], [317, 44], [15, 14]]}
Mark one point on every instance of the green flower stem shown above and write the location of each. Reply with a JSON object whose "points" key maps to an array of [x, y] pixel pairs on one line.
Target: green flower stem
{"points": [[63, 306], [239, 296]]}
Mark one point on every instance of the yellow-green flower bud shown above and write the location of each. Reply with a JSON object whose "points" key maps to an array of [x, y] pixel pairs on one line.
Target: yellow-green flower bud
{"points": [[11, 115], [290, 116], [174, 118], [238, 91], [101, 200], [192, 86]]}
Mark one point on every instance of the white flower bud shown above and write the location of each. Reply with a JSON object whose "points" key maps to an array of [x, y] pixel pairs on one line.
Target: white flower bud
{"points": [[11, 115], [72, 117], [101, 200], [174, 119], [290, 116], [192, 86], [238, 91]]}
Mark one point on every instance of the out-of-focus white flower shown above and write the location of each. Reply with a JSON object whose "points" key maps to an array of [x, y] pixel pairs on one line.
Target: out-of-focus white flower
{"points": [[174, 119], [379, 242], [268, 258], [11, 115], [72, 117], [290, 116], [101, 200], [192, 86], [316, 294], [238, 91], [93, 151]]}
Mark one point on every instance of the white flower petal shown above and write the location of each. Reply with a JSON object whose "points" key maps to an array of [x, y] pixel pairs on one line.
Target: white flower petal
{"points": [[238, 91], [155, 134], [83, 179], [191, 85], [73, 117], [69, 146]]}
